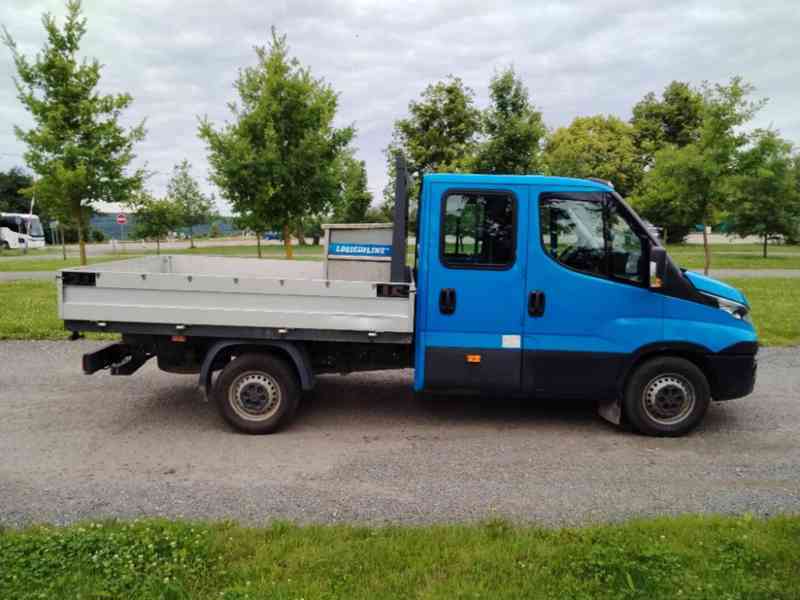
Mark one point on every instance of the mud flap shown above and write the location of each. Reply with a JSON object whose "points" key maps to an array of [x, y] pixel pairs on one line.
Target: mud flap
{"points": [[610, 410]]}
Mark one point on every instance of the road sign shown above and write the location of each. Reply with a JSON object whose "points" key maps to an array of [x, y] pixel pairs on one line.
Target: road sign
{"points": [[122, 219]]}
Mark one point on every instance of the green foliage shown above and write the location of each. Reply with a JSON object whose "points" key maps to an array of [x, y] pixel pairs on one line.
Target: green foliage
{"points": [[276, 163], [598, 146], [699, 557], [354, 197], [154, 559], [30, 312], [192, 206], [440, 133], [77, 147], [513, 128], [156, 218], [97, 236], [764, 194], [12, 184], [691, 184], [674, 120]]}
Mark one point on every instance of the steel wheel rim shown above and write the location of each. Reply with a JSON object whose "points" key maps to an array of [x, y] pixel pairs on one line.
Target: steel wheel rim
{"points": [[669, 399], [255, 396]]}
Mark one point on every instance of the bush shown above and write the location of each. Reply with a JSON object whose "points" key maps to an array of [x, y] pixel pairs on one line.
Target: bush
{"points": [[97, 236]]}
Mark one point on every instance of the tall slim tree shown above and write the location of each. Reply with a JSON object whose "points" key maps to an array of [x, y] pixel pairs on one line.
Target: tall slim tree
{"points": [[276, 161], [764, 198], [674, 119], [513, 129], [194, 208], [440, 133], [155, 218], [354, 198], [77, 147], [694, 181]]}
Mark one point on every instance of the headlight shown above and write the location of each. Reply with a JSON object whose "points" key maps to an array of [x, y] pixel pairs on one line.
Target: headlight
{"points": [[734, 309]]}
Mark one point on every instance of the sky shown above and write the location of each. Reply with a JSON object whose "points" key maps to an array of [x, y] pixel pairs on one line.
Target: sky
{"points": [[179, 59]]}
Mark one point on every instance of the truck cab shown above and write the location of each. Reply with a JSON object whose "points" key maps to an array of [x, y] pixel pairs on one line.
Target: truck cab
{"points": [[552, 287]]}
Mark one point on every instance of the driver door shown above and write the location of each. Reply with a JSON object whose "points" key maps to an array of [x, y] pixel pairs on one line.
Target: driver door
{"points": [[593, 308]]}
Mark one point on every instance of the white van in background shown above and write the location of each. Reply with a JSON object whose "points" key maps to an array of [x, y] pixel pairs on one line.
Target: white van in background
{"points": [[18, 230]]}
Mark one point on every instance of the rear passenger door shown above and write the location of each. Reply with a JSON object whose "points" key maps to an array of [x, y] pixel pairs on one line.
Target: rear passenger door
{"points": [[476, 255]]}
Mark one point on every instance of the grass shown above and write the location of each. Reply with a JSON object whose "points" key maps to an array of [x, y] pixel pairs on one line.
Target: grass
{"points": [[54, 264], [28, 310], [687, 557], [736, 256], [776, 308]]}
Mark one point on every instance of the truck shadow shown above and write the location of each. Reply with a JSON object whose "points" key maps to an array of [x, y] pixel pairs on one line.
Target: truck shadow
{"points": [[386, 399]]}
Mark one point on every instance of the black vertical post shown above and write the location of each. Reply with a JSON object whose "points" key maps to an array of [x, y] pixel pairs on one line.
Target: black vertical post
{"points": [[398, 269]]}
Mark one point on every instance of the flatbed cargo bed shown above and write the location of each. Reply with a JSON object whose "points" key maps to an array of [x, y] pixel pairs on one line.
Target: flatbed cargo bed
{"points": [[244, 297]]}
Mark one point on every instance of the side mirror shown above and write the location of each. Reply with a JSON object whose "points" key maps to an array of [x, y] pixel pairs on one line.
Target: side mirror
{"points": [[658, 266]]}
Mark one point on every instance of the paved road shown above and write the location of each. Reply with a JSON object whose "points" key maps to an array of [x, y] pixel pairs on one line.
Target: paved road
{"points": [[75, 447]]}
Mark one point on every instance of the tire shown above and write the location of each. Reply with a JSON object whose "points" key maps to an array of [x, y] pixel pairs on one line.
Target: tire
{"points": [[5, 246], [666, 396], [257, 393]]}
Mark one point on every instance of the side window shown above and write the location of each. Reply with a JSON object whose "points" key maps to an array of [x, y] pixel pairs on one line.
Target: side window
{"points": [[625, 247], [478, 230], [590, 236]]}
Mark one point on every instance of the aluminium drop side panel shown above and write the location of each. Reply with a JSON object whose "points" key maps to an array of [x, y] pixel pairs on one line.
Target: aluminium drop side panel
{"points": [[142, 292]]}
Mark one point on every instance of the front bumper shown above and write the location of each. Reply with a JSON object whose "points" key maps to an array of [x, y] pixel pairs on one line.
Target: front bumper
{"points": [[732, 375]]}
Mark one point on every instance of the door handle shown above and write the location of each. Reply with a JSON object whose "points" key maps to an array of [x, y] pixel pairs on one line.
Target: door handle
{"points": [[447, 301], [536, 303]]}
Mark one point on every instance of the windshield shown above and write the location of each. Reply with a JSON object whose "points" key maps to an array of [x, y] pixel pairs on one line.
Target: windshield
{"points": [[35, 229]]}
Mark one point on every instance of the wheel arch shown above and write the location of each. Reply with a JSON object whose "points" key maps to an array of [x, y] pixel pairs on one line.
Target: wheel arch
{"points": [[697, 354], [220, 353], [694, 353]]}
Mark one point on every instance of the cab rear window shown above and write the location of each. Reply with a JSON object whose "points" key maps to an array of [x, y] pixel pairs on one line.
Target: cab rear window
{"points": [[478, 230]]}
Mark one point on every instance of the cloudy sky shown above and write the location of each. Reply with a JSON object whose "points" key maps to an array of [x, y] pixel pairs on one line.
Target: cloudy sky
{"points": [[179, 59]]}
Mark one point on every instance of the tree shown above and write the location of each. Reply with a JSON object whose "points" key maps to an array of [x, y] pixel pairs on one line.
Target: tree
{"points": [[12, 184], [598, 146], [514, 129], [674, 119], [693, 182], [156, 218], [276, 163], [764, 195], [77, 148], [439, 134], [194, 208], [354, 198]]}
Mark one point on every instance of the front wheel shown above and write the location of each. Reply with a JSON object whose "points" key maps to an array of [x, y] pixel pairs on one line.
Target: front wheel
{"points": [[257, 393], [666, 396]]}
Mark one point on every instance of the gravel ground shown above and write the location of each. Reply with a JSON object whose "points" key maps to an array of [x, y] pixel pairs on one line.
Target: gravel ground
{"points": [[74, 447]]}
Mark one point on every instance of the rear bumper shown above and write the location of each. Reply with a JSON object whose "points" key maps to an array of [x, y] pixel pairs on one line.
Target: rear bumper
{"points": [[733, 375]]}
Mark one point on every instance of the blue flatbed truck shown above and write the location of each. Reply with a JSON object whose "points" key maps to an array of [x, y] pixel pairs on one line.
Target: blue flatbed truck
{"points": [[544, 287]]}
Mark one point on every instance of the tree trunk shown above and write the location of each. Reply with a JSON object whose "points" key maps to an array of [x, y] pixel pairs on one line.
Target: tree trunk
{"points": [[158, 245], [63, 243], [287, 242], [81, 241], [301, 235], [258, 242], [191, 236], [706, 250], [765, 245]]}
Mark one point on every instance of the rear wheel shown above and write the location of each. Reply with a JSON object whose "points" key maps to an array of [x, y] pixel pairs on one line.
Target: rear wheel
{"points": [[257, 393], [666, 396], [4, 245]]}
